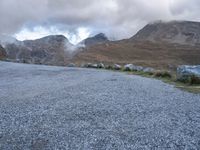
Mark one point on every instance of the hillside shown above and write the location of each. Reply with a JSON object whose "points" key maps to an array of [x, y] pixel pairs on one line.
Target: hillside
{"points": [[51, 50], [159, 45], [180, 32]]}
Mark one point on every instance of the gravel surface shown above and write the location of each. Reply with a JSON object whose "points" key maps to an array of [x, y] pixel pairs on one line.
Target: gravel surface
{"points": [[43, 107]]}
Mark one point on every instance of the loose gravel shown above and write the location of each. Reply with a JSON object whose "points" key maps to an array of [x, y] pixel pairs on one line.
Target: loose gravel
{"points": [[45, 107]]}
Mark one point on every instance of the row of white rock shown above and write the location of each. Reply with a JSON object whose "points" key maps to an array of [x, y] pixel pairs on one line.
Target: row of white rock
{"points": [[183, 72], [127, 67]]}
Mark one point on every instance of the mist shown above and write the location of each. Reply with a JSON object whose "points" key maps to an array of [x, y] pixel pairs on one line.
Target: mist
{"points": [[116, 18]]}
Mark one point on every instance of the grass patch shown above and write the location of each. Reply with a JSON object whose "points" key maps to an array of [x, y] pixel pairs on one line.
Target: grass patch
{"points": [[170, 79], [162, 74], [192, 86]]}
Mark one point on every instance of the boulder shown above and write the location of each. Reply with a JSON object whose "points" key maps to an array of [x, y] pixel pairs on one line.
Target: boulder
{"points": [[148, 70], [131, 67], [189, 74], [94, 66], [138, 68], [101, 65], [88, 65], [117, 67]]}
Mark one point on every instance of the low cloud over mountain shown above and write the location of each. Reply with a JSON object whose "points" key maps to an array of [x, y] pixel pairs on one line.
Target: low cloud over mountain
{"points": [[116, 18]]}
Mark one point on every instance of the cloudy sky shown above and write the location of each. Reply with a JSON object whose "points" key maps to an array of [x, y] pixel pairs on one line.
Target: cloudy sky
{"points": [[78, 19]]}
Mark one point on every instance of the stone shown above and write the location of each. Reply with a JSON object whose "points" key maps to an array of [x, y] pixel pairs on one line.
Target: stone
{"points": [[117, 67], [129, 67], [188, 73], [148, 70], [101, 65]]}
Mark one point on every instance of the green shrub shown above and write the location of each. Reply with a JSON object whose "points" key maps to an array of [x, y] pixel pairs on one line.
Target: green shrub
{"points": [[109, 67], [162, 74], [194, 80]]}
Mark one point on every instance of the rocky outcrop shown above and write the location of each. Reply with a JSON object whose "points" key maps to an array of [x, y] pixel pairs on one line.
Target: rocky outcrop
{"points": [[131, 67], [51, 50], [97, 39], [117, 67], [189, 74], [180, 32]]}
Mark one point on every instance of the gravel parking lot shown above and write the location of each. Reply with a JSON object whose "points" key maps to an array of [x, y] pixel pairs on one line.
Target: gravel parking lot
{"points": [[45, 107]]}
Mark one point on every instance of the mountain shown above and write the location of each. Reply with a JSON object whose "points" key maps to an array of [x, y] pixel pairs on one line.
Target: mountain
{"points": [[159, 45], [5, 39], [51, 50], [2, 52], [97, 39], [180, 32]]}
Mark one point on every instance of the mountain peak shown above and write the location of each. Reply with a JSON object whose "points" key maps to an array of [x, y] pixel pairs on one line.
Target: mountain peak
{"points": [[58, 38], [180, 32], [101, 35], [97, 39]]}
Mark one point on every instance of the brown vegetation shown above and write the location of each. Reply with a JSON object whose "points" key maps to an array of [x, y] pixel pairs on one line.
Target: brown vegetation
{"points": [[144, 53]]}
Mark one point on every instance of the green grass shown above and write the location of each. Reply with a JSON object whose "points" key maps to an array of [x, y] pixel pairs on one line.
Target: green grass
{"points": [[170, 79], [165, 76]]}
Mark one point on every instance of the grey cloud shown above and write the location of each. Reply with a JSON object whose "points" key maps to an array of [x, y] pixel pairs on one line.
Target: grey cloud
{"points": [[117, 18]]}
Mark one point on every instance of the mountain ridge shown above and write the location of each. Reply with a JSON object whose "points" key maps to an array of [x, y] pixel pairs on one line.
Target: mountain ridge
{"points": [[180, 32], [160, 44]]}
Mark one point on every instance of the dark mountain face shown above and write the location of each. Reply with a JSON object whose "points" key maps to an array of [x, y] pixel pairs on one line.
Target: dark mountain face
{"points": [[97, 39], [52, 50], [2, 52], [180, 32]]}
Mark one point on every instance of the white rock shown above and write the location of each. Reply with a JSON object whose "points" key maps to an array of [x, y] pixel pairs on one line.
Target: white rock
{"points": [[185, 72]]}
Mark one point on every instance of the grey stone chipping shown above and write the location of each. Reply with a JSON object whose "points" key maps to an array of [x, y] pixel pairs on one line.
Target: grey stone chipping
{"points": [[50, 108]]}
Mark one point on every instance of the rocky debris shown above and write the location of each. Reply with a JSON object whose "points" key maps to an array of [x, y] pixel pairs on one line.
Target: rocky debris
{"points": [[148, 70], [131, 67], [90, 65], [94, 66], [138, 68], [117, 67], [128, 67], [101, 65], [71, 65], [189, 74]]}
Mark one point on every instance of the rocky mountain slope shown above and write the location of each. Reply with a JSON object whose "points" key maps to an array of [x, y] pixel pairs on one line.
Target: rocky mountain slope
{"points": [[2, 52], [51, 50], [159, 45], [180, 32], [97, 39]]}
